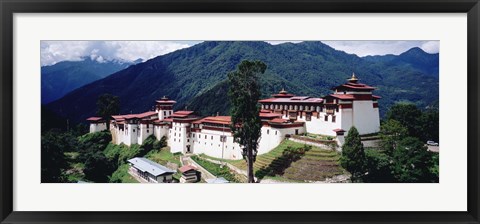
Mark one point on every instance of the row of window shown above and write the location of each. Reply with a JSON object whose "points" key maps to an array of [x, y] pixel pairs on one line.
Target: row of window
{"points": [[333, 118], [268, 132], [291, 107], [165, 113]]}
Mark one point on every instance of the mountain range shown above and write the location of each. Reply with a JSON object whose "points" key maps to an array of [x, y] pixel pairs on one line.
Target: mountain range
{"points": [[63, 77], [196, 77]]}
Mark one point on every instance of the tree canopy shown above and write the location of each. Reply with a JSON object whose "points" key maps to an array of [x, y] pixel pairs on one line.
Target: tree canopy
{"points": [[413, 162], [353, 155], [244, 93], [108, 105]]}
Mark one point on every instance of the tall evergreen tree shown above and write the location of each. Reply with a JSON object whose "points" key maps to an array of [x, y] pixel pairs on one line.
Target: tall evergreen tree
{"points": [[244, 93], [408, 115], [353, 155], [108, 105], [391, 132], [413, 163]]}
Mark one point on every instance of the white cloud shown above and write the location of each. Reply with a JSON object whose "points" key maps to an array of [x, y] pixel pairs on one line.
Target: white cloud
{"points": [[56, 51], [431, 47], [364, 48], [276, 42]]}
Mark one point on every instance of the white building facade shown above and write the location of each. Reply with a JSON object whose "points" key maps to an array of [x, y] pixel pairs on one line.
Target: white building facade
{"points": [[283, 115]]}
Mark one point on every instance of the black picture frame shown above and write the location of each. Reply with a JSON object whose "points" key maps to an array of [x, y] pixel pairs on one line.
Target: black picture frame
{"points": [[9, 7]]}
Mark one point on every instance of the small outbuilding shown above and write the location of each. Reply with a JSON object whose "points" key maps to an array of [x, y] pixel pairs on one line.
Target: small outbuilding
{"points": [[189, 174], [150, 171]]}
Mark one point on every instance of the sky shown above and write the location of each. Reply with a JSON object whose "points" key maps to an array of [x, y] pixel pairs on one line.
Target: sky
{"points": [[55, 51]]}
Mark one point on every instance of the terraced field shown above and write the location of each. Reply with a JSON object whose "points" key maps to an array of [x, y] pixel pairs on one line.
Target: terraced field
{"points": [[315, 165]]}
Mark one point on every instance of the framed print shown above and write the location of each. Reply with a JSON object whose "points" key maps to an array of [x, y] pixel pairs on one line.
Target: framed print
{"points": [[264, 112]]}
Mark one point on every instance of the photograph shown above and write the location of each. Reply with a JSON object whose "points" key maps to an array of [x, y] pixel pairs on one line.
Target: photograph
{"points": [[231, 112]]}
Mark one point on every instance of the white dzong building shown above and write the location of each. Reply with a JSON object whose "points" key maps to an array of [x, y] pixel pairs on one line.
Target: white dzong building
{"points": [[283, 115], [351, 104]]}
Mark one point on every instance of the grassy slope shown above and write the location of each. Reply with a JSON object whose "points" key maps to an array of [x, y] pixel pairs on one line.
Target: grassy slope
{"points": [[316, 165], [122, 174], [163, 157]]}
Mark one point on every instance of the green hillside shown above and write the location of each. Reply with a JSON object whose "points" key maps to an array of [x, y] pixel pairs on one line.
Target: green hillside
{"points": [[195, 77]]}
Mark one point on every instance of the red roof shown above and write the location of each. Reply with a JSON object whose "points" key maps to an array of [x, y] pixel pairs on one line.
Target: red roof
{"points": [[296, 99], [269, 115], [355, 86], [286, 95], [338, 130], [186, 168], [279, 120], [168, 119], [217, 120], [94, 119], [118, 117], [343, 96], [166, 101], [146, 114], [376, 97], [182, 114], [131, 116]]}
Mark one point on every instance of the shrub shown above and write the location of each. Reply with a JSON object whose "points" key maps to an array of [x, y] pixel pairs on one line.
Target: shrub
{"points": [[378, 167]]}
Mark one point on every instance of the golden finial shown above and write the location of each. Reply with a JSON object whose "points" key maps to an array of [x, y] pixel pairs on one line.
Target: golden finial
{"points": [[283, 91], [353, 78]]}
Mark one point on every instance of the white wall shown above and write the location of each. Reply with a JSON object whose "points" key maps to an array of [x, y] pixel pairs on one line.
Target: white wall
{"points": [[162, 115], [208, 142], [160, 131], [144, 132], [96, 127], [320, 126], [271, 137], [365, 118], [177, 139]]}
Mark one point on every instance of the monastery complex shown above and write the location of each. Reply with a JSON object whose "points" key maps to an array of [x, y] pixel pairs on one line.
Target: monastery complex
{"points": [[283, 115]]}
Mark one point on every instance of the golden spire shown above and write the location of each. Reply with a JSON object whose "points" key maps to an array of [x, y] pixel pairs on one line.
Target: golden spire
{"points": [[283, 91], [353, 78]]}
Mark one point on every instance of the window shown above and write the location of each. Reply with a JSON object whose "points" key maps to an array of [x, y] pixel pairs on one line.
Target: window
{"points": [[275, 132], [148, 131], [205, 136], [170, 112], [212, 137], [164, 113], [337, 109], [199, 136], [188, 140], [326, 117], [268, 131], [133, 130], [333, 119], [193, 135], [308, 116]]}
